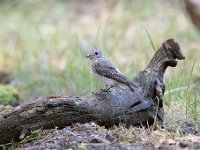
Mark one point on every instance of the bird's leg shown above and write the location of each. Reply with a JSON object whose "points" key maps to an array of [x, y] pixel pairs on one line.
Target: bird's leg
{"points": [[107, 88]]}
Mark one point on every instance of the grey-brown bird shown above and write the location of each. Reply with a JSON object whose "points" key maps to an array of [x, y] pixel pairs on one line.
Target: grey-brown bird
{"points": [[107, 72]]}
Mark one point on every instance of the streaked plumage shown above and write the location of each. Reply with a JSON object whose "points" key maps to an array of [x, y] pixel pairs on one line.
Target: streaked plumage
{"points": [[107, 72]]}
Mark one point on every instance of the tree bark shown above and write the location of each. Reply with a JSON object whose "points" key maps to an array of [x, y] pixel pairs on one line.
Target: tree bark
{"points": [[119, 105]]}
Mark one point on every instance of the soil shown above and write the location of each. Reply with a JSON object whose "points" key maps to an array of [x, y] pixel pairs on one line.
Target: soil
{"points": [[93, 137]]}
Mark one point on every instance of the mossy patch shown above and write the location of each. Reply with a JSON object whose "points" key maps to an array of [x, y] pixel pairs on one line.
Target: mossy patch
{"points": [[8, 95]]}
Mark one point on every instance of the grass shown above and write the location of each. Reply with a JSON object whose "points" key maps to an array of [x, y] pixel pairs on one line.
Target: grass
{"points": [[44, 43], [151, 41], [188, 95]]}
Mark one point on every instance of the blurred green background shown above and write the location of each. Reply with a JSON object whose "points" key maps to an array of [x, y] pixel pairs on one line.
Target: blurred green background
{"points": [[43, 44]]}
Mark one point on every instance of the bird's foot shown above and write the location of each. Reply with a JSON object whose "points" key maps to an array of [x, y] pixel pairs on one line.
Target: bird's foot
{"points": [[93, 93], [107, 89]]}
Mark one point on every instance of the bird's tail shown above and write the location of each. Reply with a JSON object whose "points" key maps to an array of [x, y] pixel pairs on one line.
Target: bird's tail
{"points": [[131, 86]]}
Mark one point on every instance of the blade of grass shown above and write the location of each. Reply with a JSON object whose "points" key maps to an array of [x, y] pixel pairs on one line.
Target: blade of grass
{"points": [[188, 96], [150, 39], [169, 94], [195, 107], [175, 90]]}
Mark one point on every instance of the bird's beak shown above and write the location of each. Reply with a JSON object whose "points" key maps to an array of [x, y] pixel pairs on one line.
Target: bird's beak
{"points": [[87, 56]]}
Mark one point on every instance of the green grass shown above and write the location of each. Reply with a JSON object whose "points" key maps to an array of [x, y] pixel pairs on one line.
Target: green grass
{"points": [[188, 93], [44, 43], [151, 41]]}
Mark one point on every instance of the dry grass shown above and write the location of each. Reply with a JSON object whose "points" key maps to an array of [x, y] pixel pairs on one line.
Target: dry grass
{"points": [[83, 136], [43, 44]]}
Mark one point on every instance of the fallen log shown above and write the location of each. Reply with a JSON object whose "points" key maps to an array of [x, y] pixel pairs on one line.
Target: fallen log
{"points": [[118, 105]]}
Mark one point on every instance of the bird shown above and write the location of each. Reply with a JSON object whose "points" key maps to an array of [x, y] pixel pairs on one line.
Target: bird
{"points": [[107, 72]]}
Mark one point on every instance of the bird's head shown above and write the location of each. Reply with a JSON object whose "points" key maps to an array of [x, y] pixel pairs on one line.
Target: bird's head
{"points": [[95, 54]]}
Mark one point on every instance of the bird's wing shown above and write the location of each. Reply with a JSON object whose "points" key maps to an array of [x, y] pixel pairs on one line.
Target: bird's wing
{"points": [[107, 69]]}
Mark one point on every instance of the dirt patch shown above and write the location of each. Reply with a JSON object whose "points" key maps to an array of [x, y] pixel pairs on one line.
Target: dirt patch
{"points": [[91, 136]]}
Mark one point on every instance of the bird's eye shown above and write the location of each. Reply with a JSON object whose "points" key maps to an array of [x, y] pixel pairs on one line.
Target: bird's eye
{"points": [[96, 53]]}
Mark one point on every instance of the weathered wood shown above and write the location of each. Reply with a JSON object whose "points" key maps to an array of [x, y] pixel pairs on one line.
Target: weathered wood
{"points": [[105, 108]]}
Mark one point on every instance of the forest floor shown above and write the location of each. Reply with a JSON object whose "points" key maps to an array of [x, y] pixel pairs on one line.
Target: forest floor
{"points": [[43, 44], [91, 136]]}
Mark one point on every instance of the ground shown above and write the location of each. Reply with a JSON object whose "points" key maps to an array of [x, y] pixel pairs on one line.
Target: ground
{"points": [[92, 136]]}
